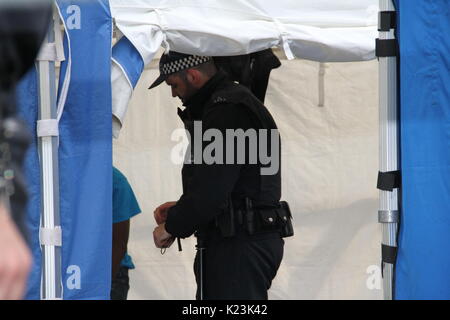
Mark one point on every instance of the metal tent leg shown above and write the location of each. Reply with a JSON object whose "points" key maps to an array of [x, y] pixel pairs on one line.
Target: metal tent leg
{"points": [[389, 144], [50, 231]]}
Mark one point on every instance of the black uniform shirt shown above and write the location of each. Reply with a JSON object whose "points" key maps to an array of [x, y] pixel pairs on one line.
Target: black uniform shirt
{"points": [[208, 187]]}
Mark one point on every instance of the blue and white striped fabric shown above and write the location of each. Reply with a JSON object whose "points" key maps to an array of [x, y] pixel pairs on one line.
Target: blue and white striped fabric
{"points": [[127, 68], [128, 58]]}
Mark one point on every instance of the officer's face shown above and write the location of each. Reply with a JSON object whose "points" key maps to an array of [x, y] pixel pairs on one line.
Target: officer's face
{"points": [[181, 88]]}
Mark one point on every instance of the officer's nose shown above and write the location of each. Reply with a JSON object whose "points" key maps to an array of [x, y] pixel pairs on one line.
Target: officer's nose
{"points": [[173, 93]]}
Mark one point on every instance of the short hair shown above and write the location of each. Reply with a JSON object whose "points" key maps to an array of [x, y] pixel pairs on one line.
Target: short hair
{"points": [[208, 68]]}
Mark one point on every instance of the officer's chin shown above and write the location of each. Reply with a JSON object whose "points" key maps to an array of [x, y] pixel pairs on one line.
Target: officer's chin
{"points": [[183, 100]]}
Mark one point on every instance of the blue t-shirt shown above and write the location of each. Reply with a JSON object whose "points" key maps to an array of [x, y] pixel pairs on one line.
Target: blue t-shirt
{"points": [[125, 206]]}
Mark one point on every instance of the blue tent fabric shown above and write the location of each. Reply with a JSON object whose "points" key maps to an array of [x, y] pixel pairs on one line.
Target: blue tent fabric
{"points": [[127, 56], [27, 104], [85, 154], [423, 262]]}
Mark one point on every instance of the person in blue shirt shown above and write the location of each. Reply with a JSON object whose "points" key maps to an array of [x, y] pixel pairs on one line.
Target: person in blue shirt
{"points": [[125, 206]]}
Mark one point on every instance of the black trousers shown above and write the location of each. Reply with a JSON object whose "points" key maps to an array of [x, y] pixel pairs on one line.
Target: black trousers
{"points": [[239, 268]]}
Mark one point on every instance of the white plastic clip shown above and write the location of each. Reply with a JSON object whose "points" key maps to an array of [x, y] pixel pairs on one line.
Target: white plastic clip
{"points": [[48, 128], [50, 236], [47, 53], [53, 51]]}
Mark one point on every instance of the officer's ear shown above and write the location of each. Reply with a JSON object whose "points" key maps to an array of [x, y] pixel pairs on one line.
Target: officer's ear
{"points": [[194, 77], [190, 76]]}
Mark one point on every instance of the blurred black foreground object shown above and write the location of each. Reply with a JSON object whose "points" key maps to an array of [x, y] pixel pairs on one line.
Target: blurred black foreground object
{"points": [[23, 26]]}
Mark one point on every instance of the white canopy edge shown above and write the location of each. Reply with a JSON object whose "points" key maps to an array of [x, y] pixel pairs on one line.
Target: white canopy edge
{"points": [[320, 30]]}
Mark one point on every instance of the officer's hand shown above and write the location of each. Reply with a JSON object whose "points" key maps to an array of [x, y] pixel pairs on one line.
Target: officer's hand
{"points": [[160, 213], [162, 238], [15, 259]]}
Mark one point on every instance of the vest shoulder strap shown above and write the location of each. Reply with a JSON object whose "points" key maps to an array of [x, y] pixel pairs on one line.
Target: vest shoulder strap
{"points": [[240, 95]]}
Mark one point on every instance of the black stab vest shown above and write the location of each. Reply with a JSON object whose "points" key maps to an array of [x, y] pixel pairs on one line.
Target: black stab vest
{"points": [[268, 186]]}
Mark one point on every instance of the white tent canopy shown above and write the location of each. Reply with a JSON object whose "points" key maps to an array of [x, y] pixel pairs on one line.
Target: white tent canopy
{"points": [[322, 30]]}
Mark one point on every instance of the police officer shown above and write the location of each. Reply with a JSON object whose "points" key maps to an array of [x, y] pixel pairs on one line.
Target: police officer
{"points": [[231, 206]]}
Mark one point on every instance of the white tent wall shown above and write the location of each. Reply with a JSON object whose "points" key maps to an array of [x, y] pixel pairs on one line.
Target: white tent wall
{"points": [[330, 166]]}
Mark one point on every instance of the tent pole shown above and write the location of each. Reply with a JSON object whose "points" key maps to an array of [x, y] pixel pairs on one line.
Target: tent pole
{"points": [[389, 154], [50, 234]]}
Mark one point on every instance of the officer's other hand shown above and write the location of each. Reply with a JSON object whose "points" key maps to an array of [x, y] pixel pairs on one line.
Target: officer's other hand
{"points": [[160, 213], [162, 238], [15, 259]]}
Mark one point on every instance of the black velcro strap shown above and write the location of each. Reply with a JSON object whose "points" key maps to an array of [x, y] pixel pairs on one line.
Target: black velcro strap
{"points": [[388, 254], [387, 20], [386, 48], [388, 181]]}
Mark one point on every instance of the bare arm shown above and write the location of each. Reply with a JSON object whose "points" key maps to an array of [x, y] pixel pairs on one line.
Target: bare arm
{"points": [[121, 232]]}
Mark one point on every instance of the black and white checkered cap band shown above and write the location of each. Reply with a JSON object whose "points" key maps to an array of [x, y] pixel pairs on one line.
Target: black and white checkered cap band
{"points": [[183, 64]]}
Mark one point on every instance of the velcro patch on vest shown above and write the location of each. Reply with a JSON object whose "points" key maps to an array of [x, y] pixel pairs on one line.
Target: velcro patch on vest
{"points": [[219, 100]]}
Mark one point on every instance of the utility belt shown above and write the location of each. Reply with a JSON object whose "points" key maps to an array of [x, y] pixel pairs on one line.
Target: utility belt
{"points": [[253, 220]]}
